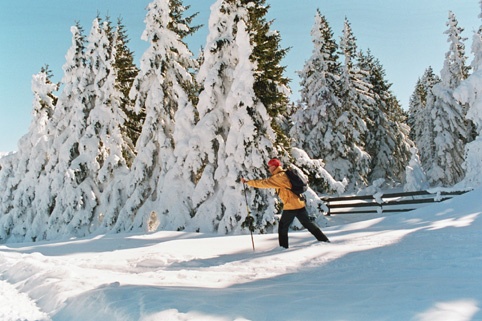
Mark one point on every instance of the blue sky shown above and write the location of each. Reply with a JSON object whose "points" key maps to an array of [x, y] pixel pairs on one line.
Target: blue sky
{"points": [[406, 36]]}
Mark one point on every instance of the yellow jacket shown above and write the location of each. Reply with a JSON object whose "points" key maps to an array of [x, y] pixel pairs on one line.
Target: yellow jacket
{"points": [[282, 184]]}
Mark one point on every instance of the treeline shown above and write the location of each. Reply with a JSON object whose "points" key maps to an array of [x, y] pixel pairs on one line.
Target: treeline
{"points": [[163, 145]]}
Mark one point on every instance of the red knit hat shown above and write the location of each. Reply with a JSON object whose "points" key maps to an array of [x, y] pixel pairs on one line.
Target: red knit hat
{"points": [[274, 162]]}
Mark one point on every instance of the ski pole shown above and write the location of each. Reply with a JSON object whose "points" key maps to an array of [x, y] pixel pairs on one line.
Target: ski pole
{"points": [[249, 215]]}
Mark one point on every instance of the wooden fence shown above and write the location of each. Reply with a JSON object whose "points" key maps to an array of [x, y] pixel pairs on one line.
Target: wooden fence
{"points": [[385, 203]]}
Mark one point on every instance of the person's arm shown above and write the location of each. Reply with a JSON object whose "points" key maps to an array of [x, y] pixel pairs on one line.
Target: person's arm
{"points": [[270, 182]]}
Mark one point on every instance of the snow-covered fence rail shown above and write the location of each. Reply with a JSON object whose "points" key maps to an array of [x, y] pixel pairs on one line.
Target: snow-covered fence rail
{"points": [[385, 203]]}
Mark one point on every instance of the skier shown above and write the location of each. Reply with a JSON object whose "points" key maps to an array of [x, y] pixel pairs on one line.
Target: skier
{"points": [[293, 205]]}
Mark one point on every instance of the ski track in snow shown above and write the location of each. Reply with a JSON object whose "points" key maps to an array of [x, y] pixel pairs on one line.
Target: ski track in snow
{"points": [[161, 262]]}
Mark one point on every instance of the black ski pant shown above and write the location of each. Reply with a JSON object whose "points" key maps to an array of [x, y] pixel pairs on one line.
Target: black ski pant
{"points": [[302, 215]]}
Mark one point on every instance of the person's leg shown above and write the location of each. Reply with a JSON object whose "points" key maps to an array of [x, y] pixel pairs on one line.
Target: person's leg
{"points": [[287, 218], [302, 216]]}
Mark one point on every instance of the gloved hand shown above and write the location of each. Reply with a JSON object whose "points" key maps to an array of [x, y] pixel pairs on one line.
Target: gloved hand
{"points": [[249, 223]]}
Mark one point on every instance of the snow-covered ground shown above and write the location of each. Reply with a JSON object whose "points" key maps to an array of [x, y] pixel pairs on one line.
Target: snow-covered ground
{"points": [[422, 265]]}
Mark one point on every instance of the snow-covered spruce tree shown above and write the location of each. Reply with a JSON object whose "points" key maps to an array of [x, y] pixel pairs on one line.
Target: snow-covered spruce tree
{"points": [[468, 93], [234, 136], [420, 119], [418, 101], [8, 186], [76, 192], [348, 158], [30, 161], [94, 144], [163, 90], [387, 139], [314, 123], [106, 150], [319, 89], [174, 199], [67, 122], [448, 115]]}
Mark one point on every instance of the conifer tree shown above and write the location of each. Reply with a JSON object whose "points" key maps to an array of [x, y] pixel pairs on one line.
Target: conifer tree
{"points": [[320, 86], [468, 93], [162, 89], [126, 72], [349, 159], [30, 162], [174, 197], [387, 139], [234, 135], [271, 86], [315, 121], [93, 150], [68, 122], [79, 194], [420, 119], [450, 127], [105, 145], [8, 186]]}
